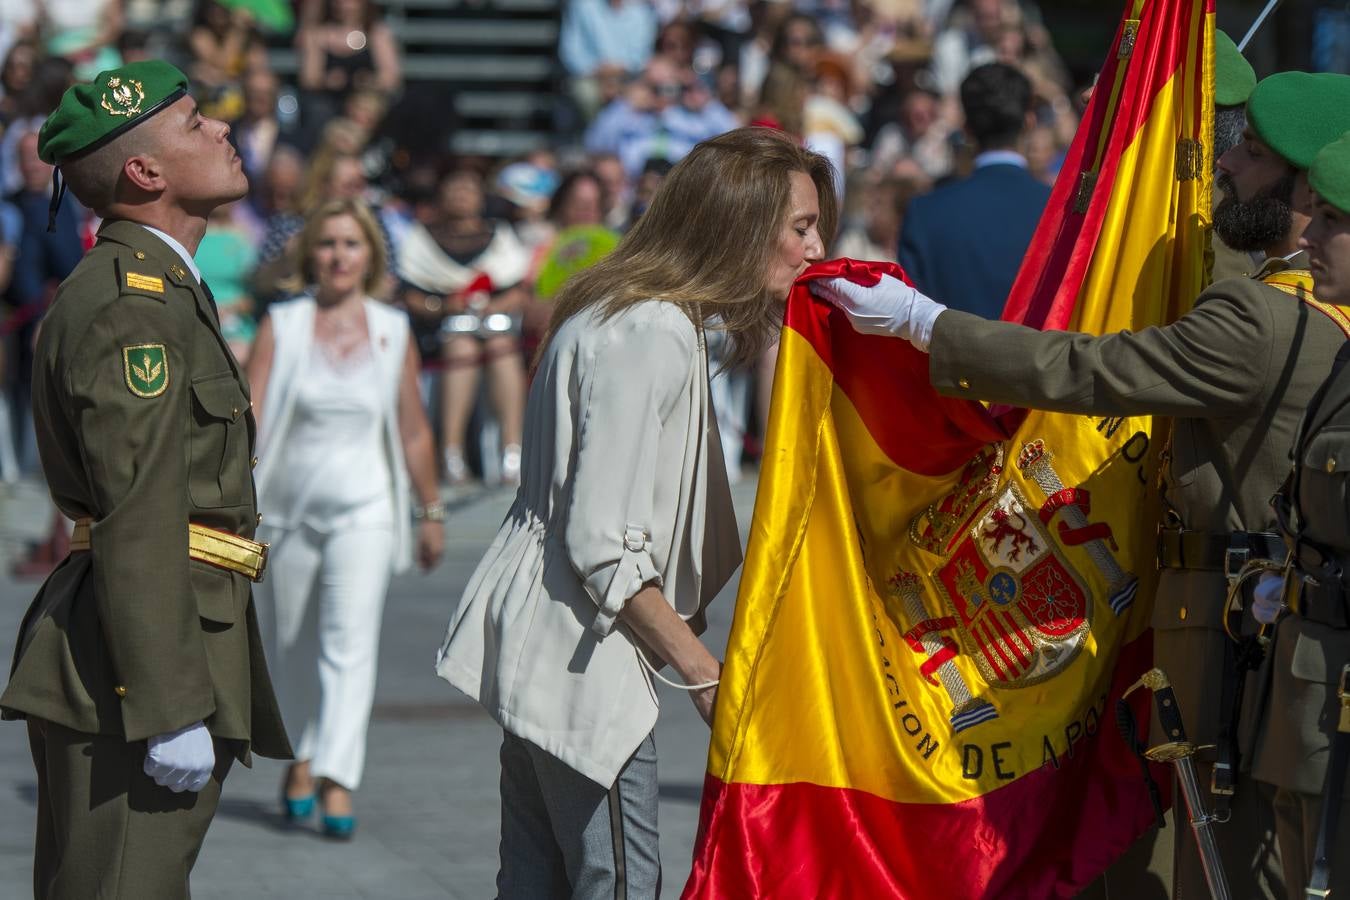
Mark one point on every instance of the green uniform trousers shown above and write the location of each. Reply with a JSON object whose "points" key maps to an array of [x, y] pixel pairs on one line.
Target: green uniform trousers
{"points": [[1166, 863], [104, 828], [1296, 821]]}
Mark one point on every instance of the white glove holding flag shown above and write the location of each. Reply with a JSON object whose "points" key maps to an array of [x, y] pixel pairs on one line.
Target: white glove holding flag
{"points": [[181, 760], [1268, 597], [891, 308]]}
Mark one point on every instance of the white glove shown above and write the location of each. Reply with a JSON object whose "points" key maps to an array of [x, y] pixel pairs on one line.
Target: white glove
{"points": [[890, 308], [181, 760], [1268, 597]]}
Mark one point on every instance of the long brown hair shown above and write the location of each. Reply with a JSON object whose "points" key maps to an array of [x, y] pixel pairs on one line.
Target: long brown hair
{"points": [[708, 238]]}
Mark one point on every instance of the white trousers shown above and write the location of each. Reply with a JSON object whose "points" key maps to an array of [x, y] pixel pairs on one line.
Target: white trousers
{"points": [[319, 609]]}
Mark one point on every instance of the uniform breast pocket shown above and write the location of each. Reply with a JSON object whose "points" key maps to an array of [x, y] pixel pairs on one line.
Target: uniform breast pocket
{"points": [[219, 472], [1322, 494]]}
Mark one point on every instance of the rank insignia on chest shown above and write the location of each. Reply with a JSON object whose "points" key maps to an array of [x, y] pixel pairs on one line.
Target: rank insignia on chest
{"points": [[146, 367], [145, 282]]}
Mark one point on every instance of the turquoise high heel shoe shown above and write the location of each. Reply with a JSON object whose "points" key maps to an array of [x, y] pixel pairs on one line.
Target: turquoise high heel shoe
{"points": [[296, 809], [338, 827]]}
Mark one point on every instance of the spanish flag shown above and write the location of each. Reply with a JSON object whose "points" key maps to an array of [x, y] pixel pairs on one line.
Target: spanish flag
{"points": [[942, 602]]}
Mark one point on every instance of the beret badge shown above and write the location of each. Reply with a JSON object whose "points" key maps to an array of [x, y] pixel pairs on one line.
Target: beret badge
{"points": [[127, 97]]}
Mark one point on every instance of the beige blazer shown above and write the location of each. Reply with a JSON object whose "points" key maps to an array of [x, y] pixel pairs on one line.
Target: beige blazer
{"points": [[623, 484]]}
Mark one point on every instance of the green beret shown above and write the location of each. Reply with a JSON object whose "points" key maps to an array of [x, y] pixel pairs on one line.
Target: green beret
{"points": [[1330, 174], [1233, 75], [1298, 113], [92, 114]]}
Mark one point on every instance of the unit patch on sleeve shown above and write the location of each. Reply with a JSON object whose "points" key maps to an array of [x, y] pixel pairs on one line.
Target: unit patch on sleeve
{"points": [[145, 282], [146, 367]]}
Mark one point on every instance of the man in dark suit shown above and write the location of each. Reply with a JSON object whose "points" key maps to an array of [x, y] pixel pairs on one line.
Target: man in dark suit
{"points": [[965, 241]]}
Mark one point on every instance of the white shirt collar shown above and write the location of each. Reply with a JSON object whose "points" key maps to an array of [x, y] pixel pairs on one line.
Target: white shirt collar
{"points": [[1000, 158], [176, 248], [1259, 259]]}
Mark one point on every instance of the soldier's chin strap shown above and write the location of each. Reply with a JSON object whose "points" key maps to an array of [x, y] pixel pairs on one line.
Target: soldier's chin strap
{"points": [[58, 192]]}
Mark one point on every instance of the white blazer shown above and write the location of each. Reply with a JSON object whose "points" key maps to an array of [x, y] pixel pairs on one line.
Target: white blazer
{"points": [[293, 328], [622, 484]]}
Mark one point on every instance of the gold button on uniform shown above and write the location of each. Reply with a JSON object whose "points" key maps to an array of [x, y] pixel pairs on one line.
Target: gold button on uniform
{"points": [[234, 412], [254, 463], [259, 522], [963, 383], [120, 690], [140, 254], [1331, 465]]}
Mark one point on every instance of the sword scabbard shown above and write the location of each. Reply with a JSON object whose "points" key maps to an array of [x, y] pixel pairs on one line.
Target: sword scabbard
{"points": [[1343, 692]]}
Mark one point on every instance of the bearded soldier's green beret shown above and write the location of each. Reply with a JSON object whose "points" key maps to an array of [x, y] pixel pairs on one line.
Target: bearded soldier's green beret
{"points": [[1233, 75], [117, 100], [1330, 174], [1298, 113]]}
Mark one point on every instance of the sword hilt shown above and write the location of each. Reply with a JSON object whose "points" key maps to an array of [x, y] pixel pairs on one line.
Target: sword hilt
{"points": [[1154, 679], [1165, 701]]}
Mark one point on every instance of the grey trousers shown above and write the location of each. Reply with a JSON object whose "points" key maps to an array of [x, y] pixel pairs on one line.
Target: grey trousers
{"points": [[564, 836], [104, 828]]}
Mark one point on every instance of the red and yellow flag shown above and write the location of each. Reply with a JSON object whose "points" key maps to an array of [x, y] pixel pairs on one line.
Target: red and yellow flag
{"points": [[942, 602]]}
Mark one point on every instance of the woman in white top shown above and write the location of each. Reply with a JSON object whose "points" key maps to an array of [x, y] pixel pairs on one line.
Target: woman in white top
{"points": [[342, 433], [623, 528]]}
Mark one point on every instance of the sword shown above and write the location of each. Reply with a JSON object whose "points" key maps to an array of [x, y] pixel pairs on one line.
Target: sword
{"points": [[1179, 752]]}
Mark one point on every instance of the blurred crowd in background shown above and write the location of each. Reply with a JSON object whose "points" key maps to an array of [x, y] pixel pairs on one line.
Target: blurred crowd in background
{"points": [[477, 245]]}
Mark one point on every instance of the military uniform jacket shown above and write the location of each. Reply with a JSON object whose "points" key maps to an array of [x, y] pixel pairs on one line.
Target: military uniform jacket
{"points": [[143, 424], [1236, 373], [1293, 744]]}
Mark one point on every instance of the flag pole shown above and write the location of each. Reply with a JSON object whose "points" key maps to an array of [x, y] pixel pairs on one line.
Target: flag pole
{"points": [[1270, 7]]}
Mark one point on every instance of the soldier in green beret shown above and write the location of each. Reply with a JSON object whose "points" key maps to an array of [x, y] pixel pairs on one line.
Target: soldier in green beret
{"points": [[1234, 80], [1303, 742], [139, 667], [1236, 374]]}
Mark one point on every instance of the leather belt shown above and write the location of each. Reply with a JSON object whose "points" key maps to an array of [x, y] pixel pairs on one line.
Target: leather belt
{"points": [[1227, 553], [1325, 604], [209, 545]]}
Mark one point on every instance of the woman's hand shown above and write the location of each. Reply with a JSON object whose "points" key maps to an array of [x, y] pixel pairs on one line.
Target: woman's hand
{"points": [[705, 701], [430, 544], [509, 301]]}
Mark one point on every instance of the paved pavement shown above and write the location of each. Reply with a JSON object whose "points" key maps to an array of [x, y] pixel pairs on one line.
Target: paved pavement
{"points": [[428, 815]]}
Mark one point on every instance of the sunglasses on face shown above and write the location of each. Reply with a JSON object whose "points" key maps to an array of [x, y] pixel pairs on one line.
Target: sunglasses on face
{"points": [[667, 91]]}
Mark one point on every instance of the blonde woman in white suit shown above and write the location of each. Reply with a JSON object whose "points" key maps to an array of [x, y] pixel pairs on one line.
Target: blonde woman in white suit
{"points": [[343, 442]]}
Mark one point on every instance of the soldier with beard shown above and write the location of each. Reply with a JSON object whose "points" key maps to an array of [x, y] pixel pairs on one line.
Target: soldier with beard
{"points": [[1233, 83], [1236, 373]]}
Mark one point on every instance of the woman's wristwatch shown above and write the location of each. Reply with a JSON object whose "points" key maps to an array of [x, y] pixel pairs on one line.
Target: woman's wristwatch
{"points": [[429, 512]]}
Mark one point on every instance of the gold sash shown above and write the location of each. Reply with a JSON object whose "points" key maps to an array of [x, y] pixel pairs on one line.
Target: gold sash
{"points": [[1299, 283], [209, 545]]}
